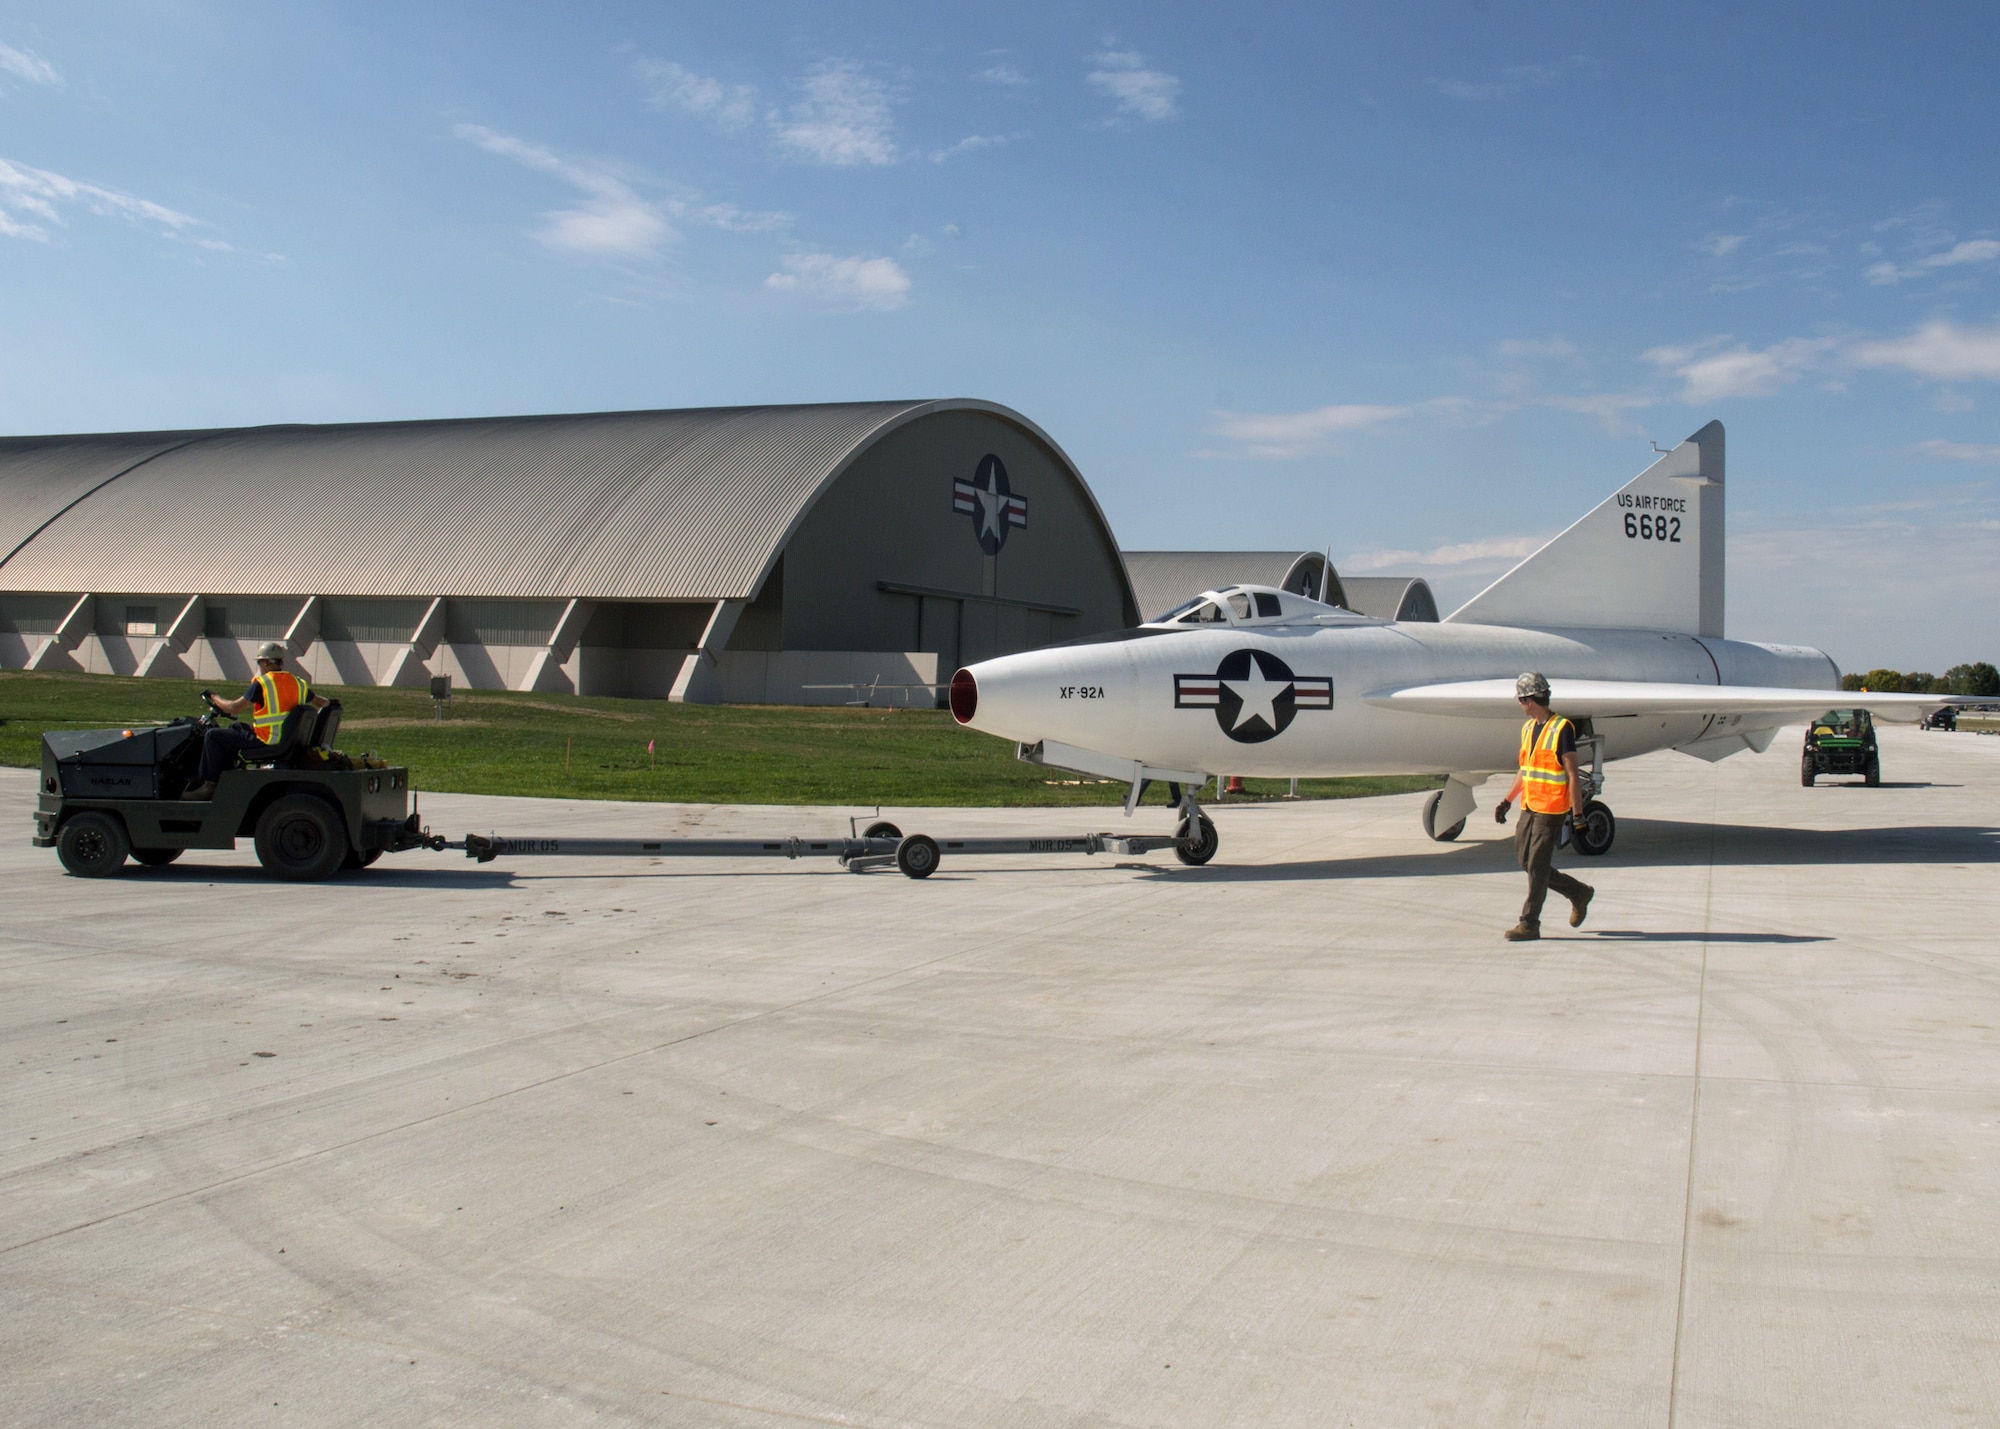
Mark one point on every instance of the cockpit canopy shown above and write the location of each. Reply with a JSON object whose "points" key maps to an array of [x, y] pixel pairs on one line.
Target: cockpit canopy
{"points": [[1253, 605]]}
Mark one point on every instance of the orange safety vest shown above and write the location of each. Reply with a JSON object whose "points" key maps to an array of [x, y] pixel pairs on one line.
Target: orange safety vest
{"points": [[282, 693], [1544, 781]]}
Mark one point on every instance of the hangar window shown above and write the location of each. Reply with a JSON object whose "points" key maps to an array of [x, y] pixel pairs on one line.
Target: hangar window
{"points": [[142, 620]]}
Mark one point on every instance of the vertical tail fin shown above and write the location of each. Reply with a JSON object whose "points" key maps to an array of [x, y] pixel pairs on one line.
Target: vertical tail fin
{"points": [[1649, 557]]}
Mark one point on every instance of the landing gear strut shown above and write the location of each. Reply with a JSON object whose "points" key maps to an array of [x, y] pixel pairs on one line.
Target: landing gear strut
{"points": [[1592, 834], [1198, 839]]}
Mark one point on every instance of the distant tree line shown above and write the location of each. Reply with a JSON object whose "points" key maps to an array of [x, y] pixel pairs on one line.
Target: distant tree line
{"points": [[1978, 678]]}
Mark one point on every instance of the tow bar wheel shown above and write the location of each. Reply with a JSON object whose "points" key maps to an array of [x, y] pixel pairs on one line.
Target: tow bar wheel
{"points": [[301, 839], [93, 845], [1201, 848], [917, 856]]}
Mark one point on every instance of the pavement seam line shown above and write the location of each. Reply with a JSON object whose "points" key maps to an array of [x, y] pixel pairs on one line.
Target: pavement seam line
{"points": [[305, 1156], [1694, 1119]]}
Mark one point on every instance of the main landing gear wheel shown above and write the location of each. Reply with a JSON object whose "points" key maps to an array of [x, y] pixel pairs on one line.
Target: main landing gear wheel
{"points": [[301, 839], [1443, 836], [156, 857], [917, 856], [93, 845], [1198, 850], [1593, 834], [882, 830]]}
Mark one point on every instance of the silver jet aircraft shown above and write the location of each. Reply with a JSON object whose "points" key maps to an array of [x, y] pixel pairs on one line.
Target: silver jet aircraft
{"points": [[1622, 612]]}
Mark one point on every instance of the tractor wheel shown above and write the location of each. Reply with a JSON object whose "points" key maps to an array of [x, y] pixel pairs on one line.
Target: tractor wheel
{"points": [[360, 858], [156, 857], [1871, 772], [1201, 848], [1443, 836], [300, 839], [1808, 767], [917, 856], [882, 830], [93, 845], [1593, 835]]}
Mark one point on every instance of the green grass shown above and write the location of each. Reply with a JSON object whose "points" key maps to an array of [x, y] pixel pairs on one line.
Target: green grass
{"points": [[498, 742]]}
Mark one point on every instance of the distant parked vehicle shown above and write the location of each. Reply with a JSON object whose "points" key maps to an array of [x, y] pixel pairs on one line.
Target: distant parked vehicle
{"points": [[1841, 742], [1946, 718]]}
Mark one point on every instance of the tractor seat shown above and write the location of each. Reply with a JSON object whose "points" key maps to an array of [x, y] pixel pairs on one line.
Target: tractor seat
{"points": [[291, 741], [327, 727]]}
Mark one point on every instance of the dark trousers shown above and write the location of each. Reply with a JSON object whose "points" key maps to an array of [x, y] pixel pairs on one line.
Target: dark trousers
{"points": [[1535, 838], [220, 746]]}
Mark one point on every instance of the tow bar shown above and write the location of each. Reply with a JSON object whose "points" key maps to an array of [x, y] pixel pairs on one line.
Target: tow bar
{"points": [[881, 845]]}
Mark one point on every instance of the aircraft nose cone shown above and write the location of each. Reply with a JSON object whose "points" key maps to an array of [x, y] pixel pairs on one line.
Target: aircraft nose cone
{"points": [[964, 697]]}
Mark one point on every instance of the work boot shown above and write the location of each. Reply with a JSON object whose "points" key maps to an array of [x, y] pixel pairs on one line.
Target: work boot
{"points": [[1579, 908], [199, 791], [1522, 933]]}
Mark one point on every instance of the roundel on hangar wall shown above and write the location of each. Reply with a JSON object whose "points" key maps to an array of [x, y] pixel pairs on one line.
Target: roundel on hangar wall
{"points": [[992, 505]]}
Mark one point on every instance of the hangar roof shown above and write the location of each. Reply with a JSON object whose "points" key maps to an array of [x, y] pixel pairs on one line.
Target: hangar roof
{"points": [[666, 505], [1163, 579]]}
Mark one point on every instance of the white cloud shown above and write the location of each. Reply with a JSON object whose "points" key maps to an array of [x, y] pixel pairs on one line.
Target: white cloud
{"points": [[1003, 74], [1150, 94], [843, 121], [1940, 349], [1501, 551], [852, 283], [1721, 245], [1974, 250], [672, 86], [1511, 82], [1537, 347], [26, 64], [613, 221], [33, 200], [970, 144], [1986, 453], [1709, 375], [1282, 436]]}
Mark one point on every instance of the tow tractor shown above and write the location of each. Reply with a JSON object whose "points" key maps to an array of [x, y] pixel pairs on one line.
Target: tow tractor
{"points": [[110, 794]]}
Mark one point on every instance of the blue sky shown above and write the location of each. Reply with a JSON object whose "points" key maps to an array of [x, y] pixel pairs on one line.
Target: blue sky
{"points": [[1418, 282]]}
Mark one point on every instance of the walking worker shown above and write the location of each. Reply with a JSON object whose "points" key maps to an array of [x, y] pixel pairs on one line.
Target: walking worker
{"points": [[1552, 791], [275, 693]]}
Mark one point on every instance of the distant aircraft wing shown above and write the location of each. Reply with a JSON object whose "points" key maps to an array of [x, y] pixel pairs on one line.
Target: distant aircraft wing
{"points": [[1610, 699]]}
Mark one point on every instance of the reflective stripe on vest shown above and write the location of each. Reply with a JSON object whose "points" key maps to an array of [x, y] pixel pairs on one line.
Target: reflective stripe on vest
{"points": [[1544, 781], [282, 693]]}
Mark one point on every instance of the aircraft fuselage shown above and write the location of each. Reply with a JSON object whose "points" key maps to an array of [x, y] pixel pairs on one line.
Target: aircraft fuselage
{"points": [[1285, 700]]}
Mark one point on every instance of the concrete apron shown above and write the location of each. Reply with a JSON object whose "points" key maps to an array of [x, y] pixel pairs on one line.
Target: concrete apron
{"points": [[1294, 1139]]}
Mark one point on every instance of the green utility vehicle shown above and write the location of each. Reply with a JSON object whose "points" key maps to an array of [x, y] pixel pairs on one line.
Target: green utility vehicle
{"points": [[110, 794], [1841, 742]]}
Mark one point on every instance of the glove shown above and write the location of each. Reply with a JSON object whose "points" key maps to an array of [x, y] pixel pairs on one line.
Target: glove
{"points": [[1500, 811]]}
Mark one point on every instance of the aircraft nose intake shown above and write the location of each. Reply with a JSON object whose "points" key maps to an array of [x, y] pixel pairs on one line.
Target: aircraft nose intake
{"points": [[964, 697]]}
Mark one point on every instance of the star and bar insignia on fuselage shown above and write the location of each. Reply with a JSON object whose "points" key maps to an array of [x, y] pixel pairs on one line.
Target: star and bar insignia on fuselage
{"points": [[1254, 695]]}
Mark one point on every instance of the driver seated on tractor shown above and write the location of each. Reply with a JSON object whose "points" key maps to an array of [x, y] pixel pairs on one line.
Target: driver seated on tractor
{"points": [[275, 693]]}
